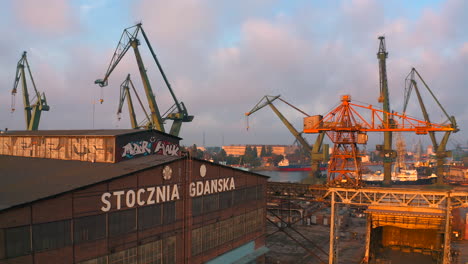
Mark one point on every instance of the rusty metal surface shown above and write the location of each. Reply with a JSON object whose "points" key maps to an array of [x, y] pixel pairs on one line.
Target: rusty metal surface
{"points": [[25, 180], [400, 197]]}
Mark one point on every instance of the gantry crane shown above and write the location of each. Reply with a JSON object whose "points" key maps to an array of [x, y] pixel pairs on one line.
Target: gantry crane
{"points": [[347, 128], [387, 152], [32, 112], [125, 94], [440, 148], [317, 153], [129, 39]]}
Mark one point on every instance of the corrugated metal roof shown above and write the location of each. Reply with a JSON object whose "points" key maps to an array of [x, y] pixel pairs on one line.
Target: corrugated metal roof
{"points": [[88, 132], [25, 180]]}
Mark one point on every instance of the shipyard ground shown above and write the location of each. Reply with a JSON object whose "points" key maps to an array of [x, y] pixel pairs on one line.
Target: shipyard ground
{"points": [[351, 246]]}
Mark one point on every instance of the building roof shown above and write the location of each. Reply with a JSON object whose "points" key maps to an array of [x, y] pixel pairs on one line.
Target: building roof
{"points": [[88, 132], [25, 180]]}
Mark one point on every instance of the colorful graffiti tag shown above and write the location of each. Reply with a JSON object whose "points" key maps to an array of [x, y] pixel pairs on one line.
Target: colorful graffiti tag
{"points": [[153, 146]]}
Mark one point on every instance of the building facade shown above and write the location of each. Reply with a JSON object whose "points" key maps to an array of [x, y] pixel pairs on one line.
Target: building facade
{"points": [[148, 208]]}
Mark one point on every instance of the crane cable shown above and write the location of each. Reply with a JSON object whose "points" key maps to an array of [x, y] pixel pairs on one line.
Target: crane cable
{"points": [[102, 96]]}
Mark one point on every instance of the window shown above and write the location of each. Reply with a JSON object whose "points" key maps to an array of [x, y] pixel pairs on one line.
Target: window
{"points": [[149, 216], [128, 256], [169, 250], [18, 241], [150, 253], [197, 241], [209, 236], [210, 203], [122, 222], [89, 228], [225, 200], [169, 213], [197, 206], [225, 228], [100, 260], [238, 223], [51, 235], [251, 221]]}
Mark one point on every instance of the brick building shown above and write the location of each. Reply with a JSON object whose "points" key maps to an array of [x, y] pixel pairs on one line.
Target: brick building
{"points": [[123, 196]]}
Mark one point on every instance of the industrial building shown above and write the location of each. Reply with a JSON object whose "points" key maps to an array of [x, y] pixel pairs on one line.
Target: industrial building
{"points": [[239, 150], [123, 196]]}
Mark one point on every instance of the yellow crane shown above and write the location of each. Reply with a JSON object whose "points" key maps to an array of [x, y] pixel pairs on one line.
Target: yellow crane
{"points": [[32, 111]]}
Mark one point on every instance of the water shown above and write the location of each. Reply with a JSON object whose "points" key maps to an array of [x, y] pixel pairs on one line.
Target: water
{"points": [[300, 176], [285, 176]]}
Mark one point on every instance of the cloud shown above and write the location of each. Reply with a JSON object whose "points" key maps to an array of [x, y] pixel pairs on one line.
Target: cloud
{"points": [[54, 17], [222, 57]]}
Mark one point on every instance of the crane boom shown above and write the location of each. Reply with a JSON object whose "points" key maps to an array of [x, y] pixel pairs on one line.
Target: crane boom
{"points": [[32, 112], [441, 152], [315, 152], [179, 113], [127, 40], [125, 94]]}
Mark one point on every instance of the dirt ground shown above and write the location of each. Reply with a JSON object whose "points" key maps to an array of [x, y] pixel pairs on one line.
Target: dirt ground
{"points": [[284, 250], [350, 245]]}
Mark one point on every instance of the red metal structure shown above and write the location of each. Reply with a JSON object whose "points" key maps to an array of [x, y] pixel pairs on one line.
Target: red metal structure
{"points": [[347, 128]]}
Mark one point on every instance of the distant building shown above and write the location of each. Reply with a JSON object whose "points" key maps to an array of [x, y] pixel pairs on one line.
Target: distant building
{"points": [[123, 196], [239, 150]]}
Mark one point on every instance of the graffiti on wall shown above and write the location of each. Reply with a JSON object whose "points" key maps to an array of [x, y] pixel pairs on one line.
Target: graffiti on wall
{"points": [[84, 149], [153, 146]]}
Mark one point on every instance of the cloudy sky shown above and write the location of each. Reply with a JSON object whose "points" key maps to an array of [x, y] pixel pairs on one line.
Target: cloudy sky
{"points": [[222, 57]]}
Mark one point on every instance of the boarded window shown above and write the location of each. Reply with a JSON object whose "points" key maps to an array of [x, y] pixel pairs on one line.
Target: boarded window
{"points": [[239, 196], [18, 241], [197, 206], [225, 200], [51, 235], [149, 216], [89, 228], [251, 193], [210, 203], [169, 212], [122, 222]]}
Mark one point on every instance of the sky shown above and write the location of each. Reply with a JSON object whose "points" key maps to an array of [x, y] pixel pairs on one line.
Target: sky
{"points": [[222, 57]]}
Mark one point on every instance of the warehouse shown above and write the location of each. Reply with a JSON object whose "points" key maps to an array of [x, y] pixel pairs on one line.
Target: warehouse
{"points": [[123, 196]]}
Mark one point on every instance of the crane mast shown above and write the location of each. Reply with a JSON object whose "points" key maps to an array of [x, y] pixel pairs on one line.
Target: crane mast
{"points": [[32, 112], [125, 94], [388, 153], [440, 148]]}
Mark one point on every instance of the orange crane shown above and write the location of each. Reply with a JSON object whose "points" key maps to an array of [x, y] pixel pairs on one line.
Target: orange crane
{"points": [[347, 128]]}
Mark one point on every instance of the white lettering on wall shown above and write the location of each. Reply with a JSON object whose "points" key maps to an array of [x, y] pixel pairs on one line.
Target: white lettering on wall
{"points": [[136, 148], [161, 194], [105, 201]]}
